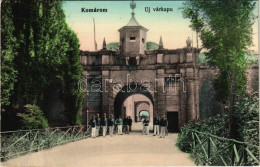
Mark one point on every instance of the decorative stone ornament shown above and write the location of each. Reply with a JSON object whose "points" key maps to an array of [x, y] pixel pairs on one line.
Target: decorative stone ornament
{"points": [[188, 42], [127, 61]]}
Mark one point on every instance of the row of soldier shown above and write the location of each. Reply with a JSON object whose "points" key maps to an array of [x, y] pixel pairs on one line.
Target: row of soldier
{"points": [[109, 123], [160, 125]]}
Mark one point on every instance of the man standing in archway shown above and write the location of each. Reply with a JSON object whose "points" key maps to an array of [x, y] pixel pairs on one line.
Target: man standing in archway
{"points": [[92, 123], [119, 123], [163, 125], [98, 121], [104, 124], [146, 126], [156, 122], [126, 126], [111, 123], [130, 123]]}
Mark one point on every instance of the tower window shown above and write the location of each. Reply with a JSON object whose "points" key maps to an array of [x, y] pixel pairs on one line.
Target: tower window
{"points": [[132, 39], [143, 40]]}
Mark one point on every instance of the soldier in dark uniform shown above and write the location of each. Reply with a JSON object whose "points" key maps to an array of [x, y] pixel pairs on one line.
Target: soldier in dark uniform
{"points": [[163, 125], [104, 124], [156, 122], [126, 126], [130, 123], [92, 123], [98, 121], [111, 124], [146, 126]]}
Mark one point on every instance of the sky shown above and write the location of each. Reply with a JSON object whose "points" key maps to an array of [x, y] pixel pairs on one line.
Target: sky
{"points": [[173, 28]]}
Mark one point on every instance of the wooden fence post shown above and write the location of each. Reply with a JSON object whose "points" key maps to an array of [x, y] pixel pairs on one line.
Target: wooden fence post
{"points": [[38, 142], [193, 142], [208, 148], [245, 154], [232, 154]]}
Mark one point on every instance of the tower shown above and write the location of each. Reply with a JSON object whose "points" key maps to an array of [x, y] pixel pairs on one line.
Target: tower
{"points": [[132, 37]]}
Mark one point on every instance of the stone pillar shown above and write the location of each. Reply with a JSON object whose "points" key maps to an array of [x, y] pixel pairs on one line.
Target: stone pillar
{"points": [[161, 94], [105, 91], [137, 60], [197, 91], [159, 58], [127, 61], [191, 87], [83, 60], [189, 57], [182, 56], [190, 100], [105, 59], [111, 97], [183, 113]]}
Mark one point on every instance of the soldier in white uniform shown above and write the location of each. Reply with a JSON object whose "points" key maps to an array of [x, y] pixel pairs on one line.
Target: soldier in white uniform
{"points": [[163, 125], [156, 122], [104, 124], [146, 126], [92, 123], [111, 123]]}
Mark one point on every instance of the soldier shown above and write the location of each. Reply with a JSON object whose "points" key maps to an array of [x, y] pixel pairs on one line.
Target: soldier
{"points": [[104, 125], [119, 123], [111, 123], [92, 123], [98, 121], [156, 122], [146, 126], [163, 125], [126, 126], [130, 123]]}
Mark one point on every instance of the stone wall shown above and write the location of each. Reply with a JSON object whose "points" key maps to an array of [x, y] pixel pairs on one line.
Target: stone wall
{"points": [[157, 67]]}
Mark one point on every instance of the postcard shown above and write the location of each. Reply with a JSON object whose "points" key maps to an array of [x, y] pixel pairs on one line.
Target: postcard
{"points": [[129, 83]]}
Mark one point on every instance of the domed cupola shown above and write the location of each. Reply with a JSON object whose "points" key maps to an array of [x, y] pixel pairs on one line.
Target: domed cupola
{"points": [[132, 37]]}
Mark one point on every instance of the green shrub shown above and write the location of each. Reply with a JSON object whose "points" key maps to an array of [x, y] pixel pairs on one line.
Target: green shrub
{"points": [[246, 127], [33, 118], [246, 118], [217, 125], [202, 59]]}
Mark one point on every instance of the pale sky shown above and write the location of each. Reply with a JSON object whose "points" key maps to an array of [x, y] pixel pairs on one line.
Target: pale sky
{"points": [[173, 28]]}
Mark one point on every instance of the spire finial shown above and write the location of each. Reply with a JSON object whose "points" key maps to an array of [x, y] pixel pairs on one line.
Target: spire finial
{"points": [[160, 43], [104, 44], [133, 5]]}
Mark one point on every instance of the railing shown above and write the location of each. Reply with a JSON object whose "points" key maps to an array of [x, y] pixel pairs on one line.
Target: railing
{"points": [[208, 149], [15, 143]]}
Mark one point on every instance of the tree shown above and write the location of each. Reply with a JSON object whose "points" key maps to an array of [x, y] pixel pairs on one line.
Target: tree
{"points": [[226, 31], [9, 46], [46, 56], [114, 46], [151, 46]]}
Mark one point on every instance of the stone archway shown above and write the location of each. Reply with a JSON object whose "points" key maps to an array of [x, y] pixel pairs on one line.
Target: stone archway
{"points": [[128, 103], [124, 93]]}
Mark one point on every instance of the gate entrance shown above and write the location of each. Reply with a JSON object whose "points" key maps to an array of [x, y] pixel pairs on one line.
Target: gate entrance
{"points": [[137, 104], [173, 123]]}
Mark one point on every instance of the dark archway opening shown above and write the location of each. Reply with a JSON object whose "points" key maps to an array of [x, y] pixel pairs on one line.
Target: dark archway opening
{"points": [[126, 92], [208, 105]]}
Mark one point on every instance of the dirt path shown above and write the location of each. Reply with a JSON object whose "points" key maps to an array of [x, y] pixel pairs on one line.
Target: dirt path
{"points": [[126, 150]]}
